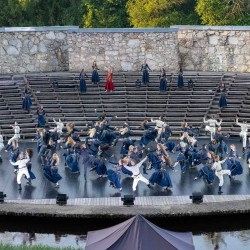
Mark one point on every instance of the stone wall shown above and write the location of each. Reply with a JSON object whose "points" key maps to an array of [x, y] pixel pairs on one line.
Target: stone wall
{"points": [[123, 49], [208, 48], [199, 48], [33, 50]]}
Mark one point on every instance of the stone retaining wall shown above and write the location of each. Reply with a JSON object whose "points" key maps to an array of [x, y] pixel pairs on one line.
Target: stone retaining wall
{"points": [[199, 48], [214, 48]]}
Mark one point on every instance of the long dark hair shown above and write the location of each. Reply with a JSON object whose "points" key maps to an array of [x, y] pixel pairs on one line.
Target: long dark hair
{"points": [[30, 152]]}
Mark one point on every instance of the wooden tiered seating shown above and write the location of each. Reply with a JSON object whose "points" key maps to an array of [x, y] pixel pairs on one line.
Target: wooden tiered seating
{"points": [[129, 103]]}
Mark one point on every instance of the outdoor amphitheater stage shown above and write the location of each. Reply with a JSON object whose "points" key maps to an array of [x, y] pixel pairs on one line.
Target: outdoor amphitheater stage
{"points": [[94, 197]]}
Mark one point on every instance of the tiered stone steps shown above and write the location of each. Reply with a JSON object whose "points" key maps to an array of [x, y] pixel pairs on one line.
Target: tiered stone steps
{"points": [[128, 103]]}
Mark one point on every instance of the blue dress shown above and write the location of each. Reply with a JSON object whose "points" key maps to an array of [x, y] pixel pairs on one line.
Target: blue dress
{"points": [[32, 175], [95, 75], [149, 135], [223, 99], [51, 172], [180, 80], [207, 173], [161, 178], [41, 118], [154, 160], [114, 178], [83, 86], [26, 102], [145, 74], [181, 160], [125, 146], [163, 82], [72, 162], [98, 166]]}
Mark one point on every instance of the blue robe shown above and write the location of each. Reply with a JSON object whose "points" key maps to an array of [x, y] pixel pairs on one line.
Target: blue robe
{"points": [[180, 80], [235, 167], [99, 166], [163, 82], [145, 74], [162, 178], [83, 86], [207, 173], [114, 178], [51, 172], [125, 146], [223, 99], [149, 135], [154, 160], [27, 102], [95, 76], [32, 175], [41, 118], [72, 162]]}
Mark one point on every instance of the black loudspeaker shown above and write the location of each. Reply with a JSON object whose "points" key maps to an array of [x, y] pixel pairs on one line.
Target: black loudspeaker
{"points": [[128, 200], [197, 197], [61, 199], [2, 195]]}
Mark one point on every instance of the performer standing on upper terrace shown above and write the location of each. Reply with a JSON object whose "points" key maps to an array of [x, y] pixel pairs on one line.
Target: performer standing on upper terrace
{"points": [[109, 86], [163, 80], [40, 117], [222, 90], [180, 81], [145, 74], [95, 75], [83, 86]]}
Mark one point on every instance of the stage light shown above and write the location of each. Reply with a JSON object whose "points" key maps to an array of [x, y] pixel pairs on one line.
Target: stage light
{"points": [[128, 200], [197, 197], [61, 199], [2, 196]]}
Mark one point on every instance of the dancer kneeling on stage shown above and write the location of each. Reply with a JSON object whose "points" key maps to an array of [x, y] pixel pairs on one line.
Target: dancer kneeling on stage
{"points": [[22, 168], [135, 169]]}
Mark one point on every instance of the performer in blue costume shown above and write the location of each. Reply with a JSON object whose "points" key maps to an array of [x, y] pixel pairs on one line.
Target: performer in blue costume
{"points": [[41, 117], [206, 171], [223, 100], [82, 77], [95, 74], [51, 170], [26, 102], [163, 80], [161, 178], [114, 177], [145, 75], [233, 163], [180, 81]]}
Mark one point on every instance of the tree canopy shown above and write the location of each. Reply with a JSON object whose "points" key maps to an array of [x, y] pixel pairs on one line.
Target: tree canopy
{"points": [[224, 12], [123, 13]]}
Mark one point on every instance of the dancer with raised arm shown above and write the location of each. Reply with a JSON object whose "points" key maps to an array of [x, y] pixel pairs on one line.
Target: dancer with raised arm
{"points": [[219, 172], [243, 133], [16, 135], [22, 168], [135, 169], [211, 127]]}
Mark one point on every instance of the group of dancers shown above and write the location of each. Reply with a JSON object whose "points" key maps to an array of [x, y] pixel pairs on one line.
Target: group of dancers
{"points": [[95, 79], [152, 156]]}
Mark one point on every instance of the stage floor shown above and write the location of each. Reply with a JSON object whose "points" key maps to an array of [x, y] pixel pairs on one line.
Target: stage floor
{"points": [[75, 186]]}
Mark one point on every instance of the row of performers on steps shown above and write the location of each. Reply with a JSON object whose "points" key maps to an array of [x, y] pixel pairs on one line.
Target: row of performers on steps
{"points": [[97, 152]]}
